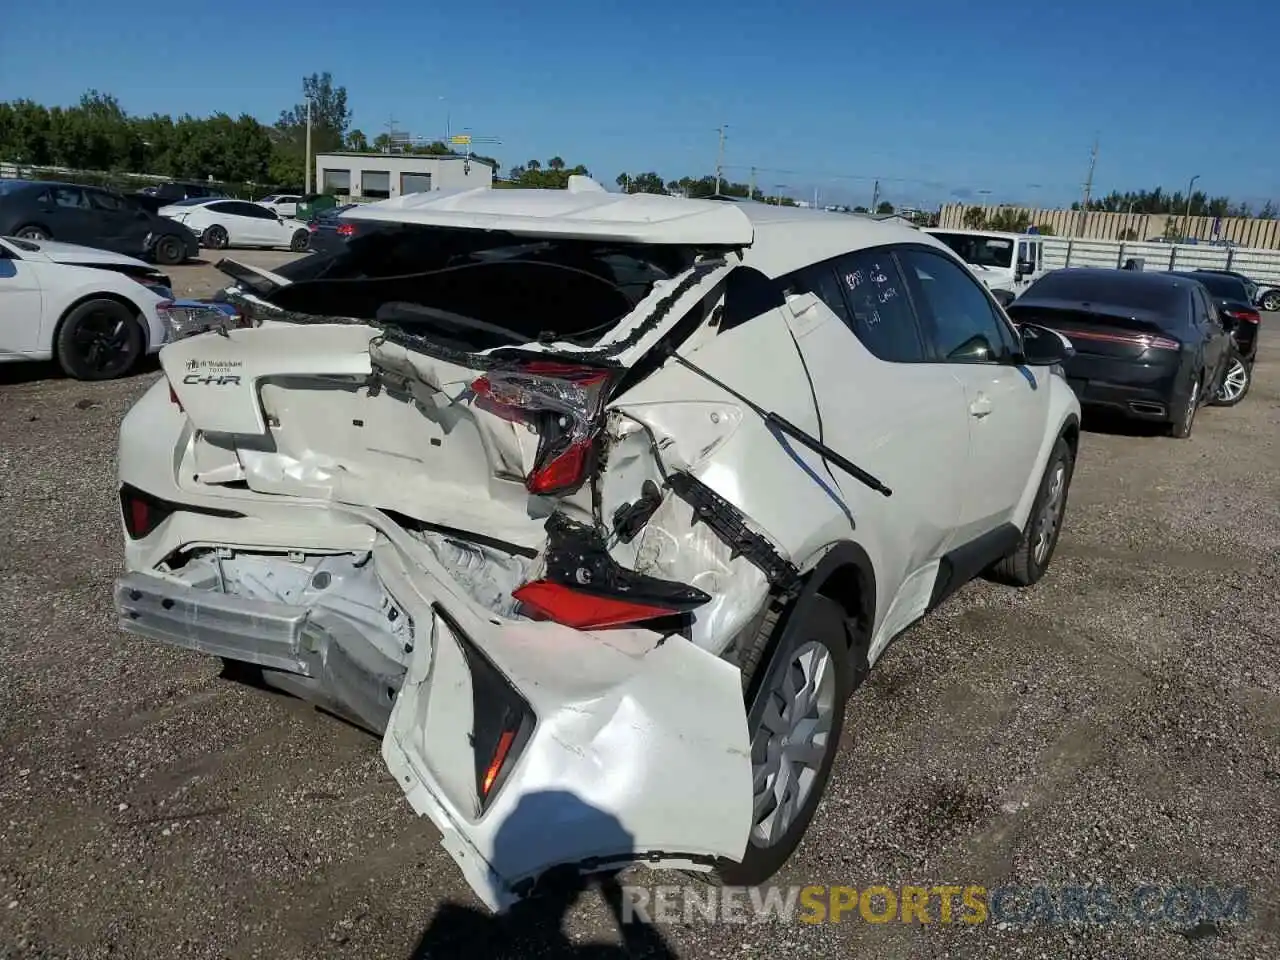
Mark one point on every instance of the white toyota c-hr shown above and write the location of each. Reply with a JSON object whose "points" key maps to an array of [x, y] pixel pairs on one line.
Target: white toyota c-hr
{"points": [[597, 508]]}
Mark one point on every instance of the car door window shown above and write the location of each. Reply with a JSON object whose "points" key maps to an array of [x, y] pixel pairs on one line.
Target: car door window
{"points": [[70, 198], [106, 202], [966, 327]]}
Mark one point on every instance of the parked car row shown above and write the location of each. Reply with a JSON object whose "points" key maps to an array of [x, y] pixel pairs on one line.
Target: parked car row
{"points": [[560, 496]]}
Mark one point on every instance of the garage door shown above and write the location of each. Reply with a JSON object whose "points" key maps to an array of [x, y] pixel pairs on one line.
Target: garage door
{"points": [[415, 183]]}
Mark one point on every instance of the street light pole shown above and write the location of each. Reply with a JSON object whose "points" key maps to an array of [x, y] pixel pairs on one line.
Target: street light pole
{"points": [[307, 186], [1186, 221]]}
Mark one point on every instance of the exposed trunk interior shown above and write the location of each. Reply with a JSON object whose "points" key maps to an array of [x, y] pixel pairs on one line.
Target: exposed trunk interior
{"points": [[475, 290]]}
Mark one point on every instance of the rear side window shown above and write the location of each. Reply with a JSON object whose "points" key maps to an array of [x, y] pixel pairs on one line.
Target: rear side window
{"points": [[866, 291], [105, 201], [879, 307]]}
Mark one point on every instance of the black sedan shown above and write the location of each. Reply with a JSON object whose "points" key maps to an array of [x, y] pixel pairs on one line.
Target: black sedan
{"points": [[329, 232], [92, 217], [1232, 298], [1148, 345]]}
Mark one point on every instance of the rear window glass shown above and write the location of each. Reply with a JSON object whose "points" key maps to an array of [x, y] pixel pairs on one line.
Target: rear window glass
{"points": [[1118, 288], [1221, 286], [13, 186]]}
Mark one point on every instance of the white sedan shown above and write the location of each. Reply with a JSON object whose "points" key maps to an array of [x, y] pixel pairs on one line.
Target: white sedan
{"points": [[91, 310], [221, 223], [285, 204]]}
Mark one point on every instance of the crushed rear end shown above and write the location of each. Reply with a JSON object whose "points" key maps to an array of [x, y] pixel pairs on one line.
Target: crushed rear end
{"points": [[443, 504]]}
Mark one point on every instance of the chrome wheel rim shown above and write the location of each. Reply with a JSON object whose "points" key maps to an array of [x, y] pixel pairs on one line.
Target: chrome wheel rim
{"points": [[1271, 301], [1190, 413], [792, 742], [1235, 381], [1050, 513]]}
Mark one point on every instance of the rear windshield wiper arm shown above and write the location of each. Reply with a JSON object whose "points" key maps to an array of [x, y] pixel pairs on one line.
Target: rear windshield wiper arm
{"points": [[786, 426]]}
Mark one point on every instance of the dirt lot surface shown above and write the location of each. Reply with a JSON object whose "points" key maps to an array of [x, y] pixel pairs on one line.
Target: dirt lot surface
{"points": [[1119, 724]]}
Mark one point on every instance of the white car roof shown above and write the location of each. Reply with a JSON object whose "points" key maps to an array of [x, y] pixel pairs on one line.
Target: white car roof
{"points": [[778, 239], [1002, 234]]}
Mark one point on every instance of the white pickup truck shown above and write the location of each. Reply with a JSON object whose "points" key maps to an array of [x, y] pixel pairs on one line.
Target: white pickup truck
{"points": [[1007, 263]]}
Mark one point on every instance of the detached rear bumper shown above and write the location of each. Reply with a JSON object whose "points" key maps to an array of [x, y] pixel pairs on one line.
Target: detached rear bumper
{"points": [[631, 750], [323, 658]]}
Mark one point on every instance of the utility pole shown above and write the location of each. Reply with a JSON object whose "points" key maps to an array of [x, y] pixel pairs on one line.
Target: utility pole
{"points": [[751, 191], [307, 186], [720, 159], [875, 196], [1088, 184]]}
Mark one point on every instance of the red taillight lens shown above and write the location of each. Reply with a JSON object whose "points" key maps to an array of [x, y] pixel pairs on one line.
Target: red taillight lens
{"points": [[584, 611], [1161, 343], [564, 401], [313, 228], [345, 230], [1245, 316], [1136, 339]]}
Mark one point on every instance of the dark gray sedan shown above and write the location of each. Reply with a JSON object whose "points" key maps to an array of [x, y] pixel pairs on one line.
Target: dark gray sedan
{"points": [[92, 217]]}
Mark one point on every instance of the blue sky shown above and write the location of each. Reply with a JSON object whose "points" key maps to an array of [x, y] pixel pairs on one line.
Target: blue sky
{"points": [[938, 99]]}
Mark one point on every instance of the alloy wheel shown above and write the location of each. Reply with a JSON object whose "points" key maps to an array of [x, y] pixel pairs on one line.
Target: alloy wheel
{"points": [[1271, 301], [1189, 414], [1234, 382], [1050, 514], [102, 342], [792, 741]]}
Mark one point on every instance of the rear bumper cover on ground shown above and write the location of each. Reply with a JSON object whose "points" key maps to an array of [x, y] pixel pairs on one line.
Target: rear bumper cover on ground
{"points": [[639, 750]]}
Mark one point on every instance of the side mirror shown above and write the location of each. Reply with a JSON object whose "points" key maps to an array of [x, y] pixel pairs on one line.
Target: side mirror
{"points": [[1025, 268], [1043, 347]]}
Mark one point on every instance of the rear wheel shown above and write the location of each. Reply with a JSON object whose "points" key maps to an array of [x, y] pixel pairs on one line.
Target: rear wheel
{"points": [[1271, 300], [169, 250], [215, 238], [1180, 429], [32, 232], [99, 340], [301, 238], [1235, 383], [795, 722]]}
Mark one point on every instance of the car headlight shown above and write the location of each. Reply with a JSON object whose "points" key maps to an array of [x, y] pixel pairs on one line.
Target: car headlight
{"points": [[186, 318]]}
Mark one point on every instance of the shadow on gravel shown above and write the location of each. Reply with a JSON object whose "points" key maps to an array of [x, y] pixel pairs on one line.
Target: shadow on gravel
{"points": [[1097, 421], [535, 927], [12, 374]]}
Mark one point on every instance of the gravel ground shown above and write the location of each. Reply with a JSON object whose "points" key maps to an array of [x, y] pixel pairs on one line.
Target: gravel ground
{"points": [[1118, 724]]}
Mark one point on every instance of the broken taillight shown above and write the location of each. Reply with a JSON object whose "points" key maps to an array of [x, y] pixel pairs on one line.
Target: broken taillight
{"points": [[586, 611], [565, 402], [583, 587], [141, 512]]}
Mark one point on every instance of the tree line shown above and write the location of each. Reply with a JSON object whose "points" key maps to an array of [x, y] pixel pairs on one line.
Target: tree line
{"points": [[97, 134]]}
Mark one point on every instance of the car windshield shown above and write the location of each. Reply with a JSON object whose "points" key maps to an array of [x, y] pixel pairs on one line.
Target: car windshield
{"points": [[980, 250], [1115, 288]]}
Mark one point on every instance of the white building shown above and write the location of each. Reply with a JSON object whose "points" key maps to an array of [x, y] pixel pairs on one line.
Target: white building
{"points": [[381, 176]]}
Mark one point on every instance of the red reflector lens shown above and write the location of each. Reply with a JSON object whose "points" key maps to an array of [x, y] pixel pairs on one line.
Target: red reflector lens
{"points": [[140, 517], [584, 611], [495, 765], [346, 229]]}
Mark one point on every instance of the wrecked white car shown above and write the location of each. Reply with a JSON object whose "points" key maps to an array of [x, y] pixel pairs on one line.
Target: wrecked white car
{"points": [[596, 507]]}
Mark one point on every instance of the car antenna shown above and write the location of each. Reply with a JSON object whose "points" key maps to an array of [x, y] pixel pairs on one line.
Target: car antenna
{"points": [[785, 426]]}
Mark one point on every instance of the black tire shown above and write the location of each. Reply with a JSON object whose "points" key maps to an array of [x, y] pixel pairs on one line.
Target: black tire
{"points": [[1029, 560], [1180, 428], [32, 232], [215, 238], [818, 627], [1235, 382], [1271, 300], [99, 340], [169, 250], [301, 240]]}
